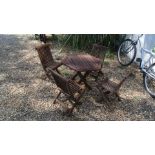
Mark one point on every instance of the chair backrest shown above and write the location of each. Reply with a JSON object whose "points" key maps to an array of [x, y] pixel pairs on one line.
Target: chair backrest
{"points": [[123, 80], [112, 86], [45, 55], [68, 86], [99, 51], [43, 38]]}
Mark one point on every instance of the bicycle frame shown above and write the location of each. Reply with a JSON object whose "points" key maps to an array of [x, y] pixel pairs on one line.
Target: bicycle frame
{"points": [[138, 40], [143, 65], [145, 57]]}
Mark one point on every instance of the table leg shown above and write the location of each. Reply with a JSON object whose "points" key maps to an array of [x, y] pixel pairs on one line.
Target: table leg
{"points": [[83, 79]]}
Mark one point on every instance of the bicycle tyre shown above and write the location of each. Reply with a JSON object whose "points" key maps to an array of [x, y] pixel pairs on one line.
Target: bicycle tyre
{"points": [[145, 76], [134, 54]]}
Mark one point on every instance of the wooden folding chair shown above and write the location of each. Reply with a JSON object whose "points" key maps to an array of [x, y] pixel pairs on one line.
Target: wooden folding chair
{"points": [[46, 58], [70, 88], [98, 51], [108, 88]]}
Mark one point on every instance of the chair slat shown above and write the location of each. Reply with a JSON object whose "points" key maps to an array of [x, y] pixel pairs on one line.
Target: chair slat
{"points": [[46, 57]]}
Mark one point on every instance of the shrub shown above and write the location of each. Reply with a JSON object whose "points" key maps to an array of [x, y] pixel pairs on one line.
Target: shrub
{"points": [[84, 41]]}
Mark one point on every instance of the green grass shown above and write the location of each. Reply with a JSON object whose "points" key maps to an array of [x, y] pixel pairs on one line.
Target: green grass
{"points": [[106, 62], [66, 72], [110, 55]]}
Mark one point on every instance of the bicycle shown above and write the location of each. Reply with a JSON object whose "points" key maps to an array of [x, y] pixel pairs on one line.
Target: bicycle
{"points": [[126, 55]]}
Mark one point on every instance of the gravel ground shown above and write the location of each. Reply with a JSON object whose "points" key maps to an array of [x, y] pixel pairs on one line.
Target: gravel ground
{"points": [[26, 93]]}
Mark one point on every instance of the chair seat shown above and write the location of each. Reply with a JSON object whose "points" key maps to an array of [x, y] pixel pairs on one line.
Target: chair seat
{"points": [[109, 86]]}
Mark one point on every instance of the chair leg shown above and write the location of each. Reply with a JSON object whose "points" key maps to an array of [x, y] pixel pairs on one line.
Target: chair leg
{"points": [[56, 97], [58, 71], [83, 79], [118, 96], [98, 74], [70, 110], [96, 77]]}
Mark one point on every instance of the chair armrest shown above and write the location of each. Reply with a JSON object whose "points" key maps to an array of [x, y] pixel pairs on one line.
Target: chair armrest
{"points": [[58, 65]]}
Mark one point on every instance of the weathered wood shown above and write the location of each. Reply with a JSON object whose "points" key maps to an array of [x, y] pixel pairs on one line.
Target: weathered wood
{"points": [[73, 90], [46, 58], [108, 87], [83, 63]]}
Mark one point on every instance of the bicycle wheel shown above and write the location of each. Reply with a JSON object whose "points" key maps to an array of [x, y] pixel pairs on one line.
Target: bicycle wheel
{"points": [[149, 81], [126, 52]]}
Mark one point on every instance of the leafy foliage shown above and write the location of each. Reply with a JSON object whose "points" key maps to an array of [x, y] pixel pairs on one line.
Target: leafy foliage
{"points": [[84, 41]]}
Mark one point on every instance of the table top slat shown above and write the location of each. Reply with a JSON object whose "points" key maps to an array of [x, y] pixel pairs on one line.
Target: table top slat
{"points": [[82, 62]]}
